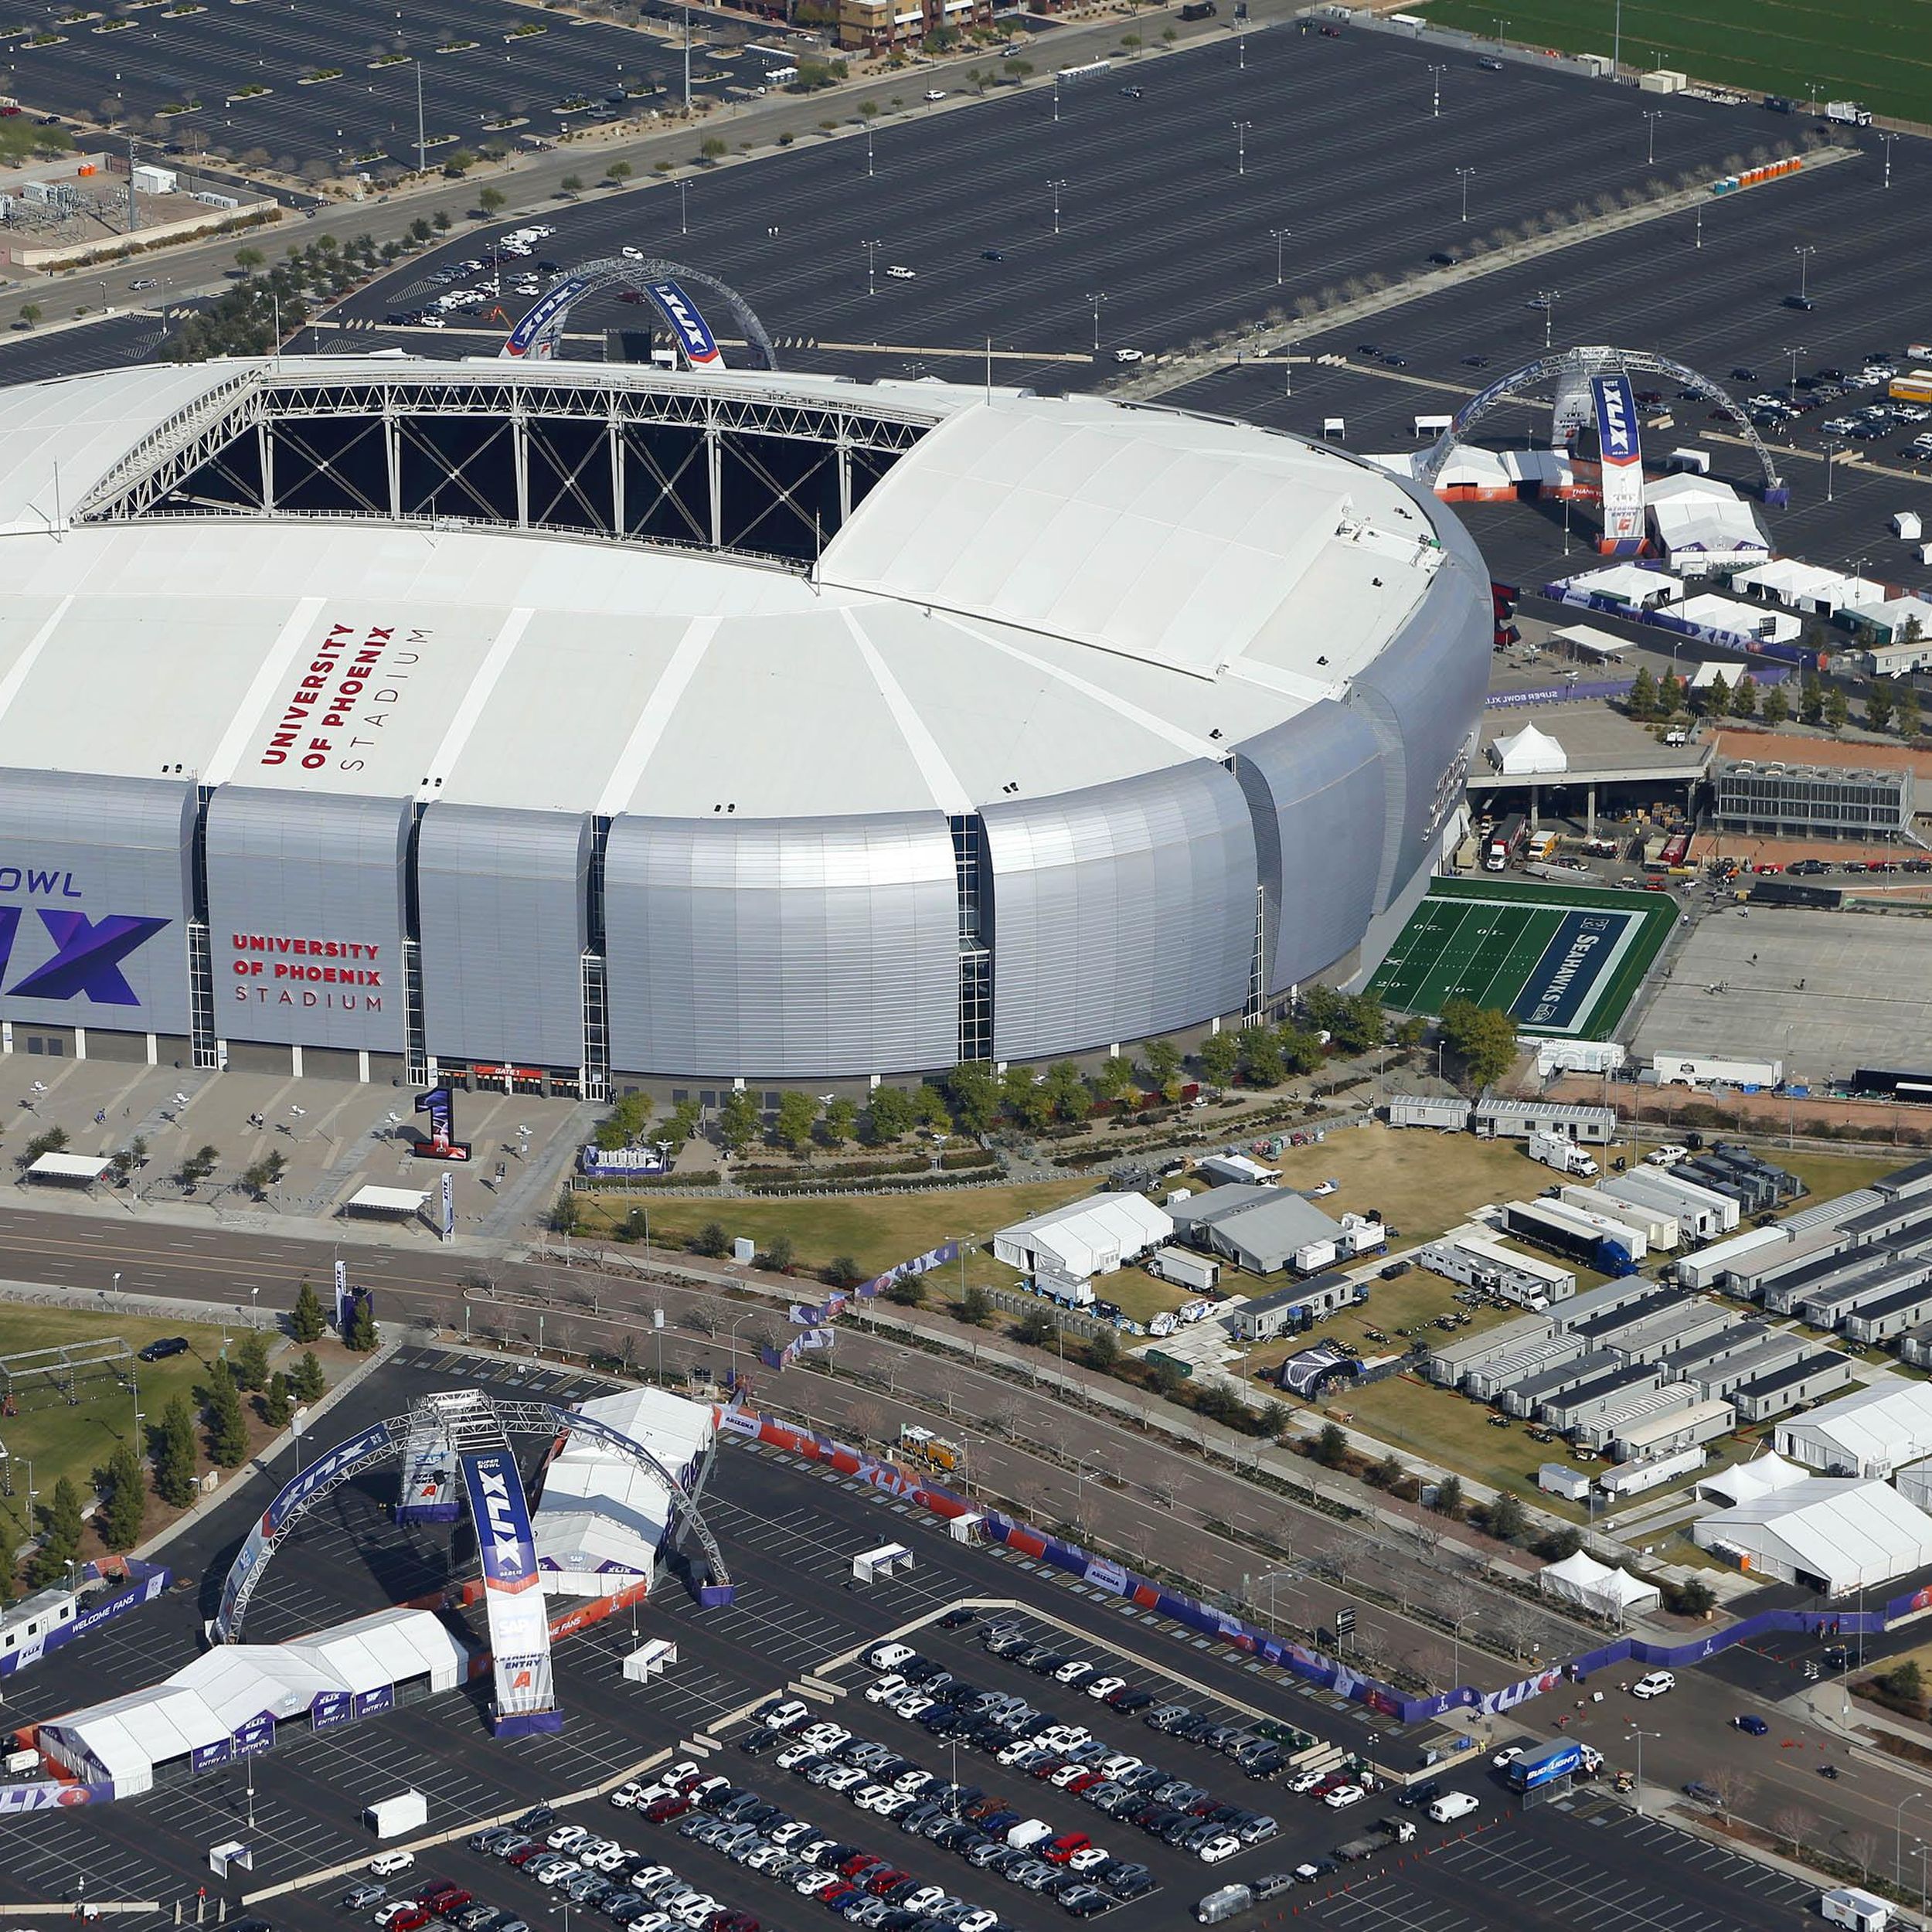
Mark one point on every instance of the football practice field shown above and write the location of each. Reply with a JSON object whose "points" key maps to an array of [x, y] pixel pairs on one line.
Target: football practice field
{"points": [[1563, 961]]}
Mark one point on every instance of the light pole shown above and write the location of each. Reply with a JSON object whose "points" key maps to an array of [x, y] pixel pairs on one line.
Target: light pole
{"points": [[1288, 367], [1832, 446], [1803, 253], [1465, 176], [1056, 186], [1617, 44], [1888, 139], [1241, 145], [1079, 1490], [1281, 235], [1640, 1736], [684, 226], [1898, 1834], [869, 147], [1271, 1577], [1056, 102], [1548, 297], [1651, 116], [1435, 84], [733, 1339], [1501, 23], [871, 248], [687, 62], [1790, 391], [1700, 224], [1094, 301]]}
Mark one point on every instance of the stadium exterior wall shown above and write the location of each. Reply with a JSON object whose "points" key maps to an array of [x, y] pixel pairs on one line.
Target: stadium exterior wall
{"points": [[1120, 911], [504, 899], [793, 949]]}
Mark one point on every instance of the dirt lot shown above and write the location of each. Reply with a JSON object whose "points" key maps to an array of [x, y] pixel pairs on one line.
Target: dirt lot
{"points": [[1421, 1182]]}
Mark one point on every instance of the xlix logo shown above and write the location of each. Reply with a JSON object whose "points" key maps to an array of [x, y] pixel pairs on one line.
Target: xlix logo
{"points": [[87, 957]]}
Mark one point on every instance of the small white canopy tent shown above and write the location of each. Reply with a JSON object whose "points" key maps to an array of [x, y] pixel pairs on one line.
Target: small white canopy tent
{"points": [[1598, 1588], [1763, 1476], [1527, 753]]}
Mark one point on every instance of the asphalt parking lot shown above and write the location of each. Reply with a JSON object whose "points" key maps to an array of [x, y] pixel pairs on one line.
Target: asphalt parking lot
{"points": [[1170, 204], [208, 54], [1719, 308]]}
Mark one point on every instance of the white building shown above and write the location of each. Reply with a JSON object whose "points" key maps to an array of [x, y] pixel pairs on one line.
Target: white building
{"points": [[1084, 1238], [1871, 1432], [1828, 1534]]}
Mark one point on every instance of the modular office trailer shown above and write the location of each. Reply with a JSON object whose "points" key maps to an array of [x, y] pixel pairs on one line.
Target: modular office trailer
{"points": [[1477, 1262], [1658, 1228], [1682, 1426], [1526, 1395], [1815, 1374], [1668, 1398], [1447, 1362], [1539, 1358], [1701, 1214]]}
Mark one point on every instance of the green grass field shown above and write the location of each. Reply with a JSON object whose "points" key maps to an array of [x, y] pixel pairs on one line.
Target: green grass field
{"points": [[1499, 943], [1875, 51]]}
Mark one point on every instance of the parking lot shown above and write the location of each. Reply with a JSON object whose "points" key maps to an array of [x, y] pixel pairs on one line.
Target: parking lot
{"points": [[491, 74], [1181, 222]]}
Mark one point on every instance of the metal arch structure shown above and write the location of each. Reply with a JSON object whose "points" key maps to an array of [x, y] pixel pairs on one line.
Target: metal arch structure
{"points": [[536, 337], [386, 1442], [1578, 365]]}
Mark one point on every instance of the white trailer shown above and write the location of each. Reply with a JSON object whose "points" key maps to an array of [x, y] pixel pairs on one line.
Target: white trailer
{"points": [[1658, 1227], [1633, 1478], [1200, 1272], [391, 1817], [1699, 1070], [1696, 1220]]}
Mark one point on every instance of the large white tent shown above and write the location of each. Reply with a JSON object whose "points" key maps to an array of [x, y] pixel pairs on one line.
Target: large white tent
{"points": [[1084, 1238], [1763, 1476], [603, 1517], [1871, 1432], [1527, 753], [1598, 1588], [1829, 1533], [197, 1715]]}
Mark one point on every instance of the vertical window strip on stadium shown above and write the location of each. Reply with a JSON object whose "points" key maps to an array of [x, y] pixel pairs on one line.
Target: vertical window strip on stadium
{"points": [[969, 870]]}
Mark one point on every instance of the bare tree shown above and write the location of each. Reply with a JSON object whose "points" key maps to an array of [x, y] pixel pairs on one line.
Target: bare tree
{"points": [[866, 1420], [1521, 1628], [1795, 1824], [1863, 1846], [1733, 1788]]}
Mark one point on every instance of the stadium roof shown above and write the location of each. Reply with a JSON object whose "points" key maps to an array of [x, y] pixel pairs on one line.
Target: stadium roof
{"points": [[1039, 595]]}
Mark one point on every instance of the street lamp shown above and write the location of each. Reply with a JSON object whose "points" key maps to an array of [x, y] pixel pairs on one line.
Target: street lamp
{"points": [[684, 226], [1888, 139], [1501, 23], [1241, 129], [1652, 115], [1465, 174], [1803, 253], [1271, 1577], [1094, 301], [871, 248], [1791, 392], [1435, 82], [869, 147], [1281, 235], [1832, 446], [734, 1344], [1898, 1834], [1548, 297], [1056, 186], [1080, 1488], [1640, 1736]]}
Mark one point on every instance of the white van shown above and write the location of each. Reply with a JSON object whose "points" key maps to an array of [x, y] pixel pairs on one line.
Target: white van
{"points": [[1450, 1806], [1034, 1831]]}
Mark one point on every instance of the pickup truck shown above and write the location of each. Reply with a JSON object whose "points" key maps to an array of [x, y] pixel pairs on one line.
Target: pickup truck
{"points": [[1379, 1836]]}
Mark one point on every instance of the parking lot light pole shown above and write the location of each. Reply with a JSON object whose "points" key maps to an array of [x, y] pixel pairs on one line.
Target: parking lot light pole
{"points": [[1548, 297], [684, 226], [1094, 301], [1790, 391], [871, 248], [1281, 235], [1888, 139], [1056, 186], [1640, 1736], [1652, 115], [1832, 446], [1803, 252], [869, 147], [1465, 176], [1241, 146], [1898, 1834], [1435, 82]]}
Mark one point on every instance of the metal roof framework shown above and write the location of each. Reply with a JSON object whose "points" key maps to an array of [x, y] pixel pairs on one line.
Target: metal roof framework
{"points": [[629, 456], [389, 1443]]}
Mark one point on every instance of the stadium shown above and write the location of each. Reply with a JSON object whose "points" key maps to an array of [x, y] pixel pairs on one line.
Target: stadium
{"points": [[571, 723]]}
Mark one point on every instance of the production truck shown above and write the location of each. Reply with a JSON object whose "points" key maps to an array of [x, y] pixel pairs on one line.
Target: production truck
{"points": [[1567, 1757], [1698, 1070], [1501, 842], [1854, 114], [920, 1445], [1379, 1836], [1200, 1272], [1560, 1152]]}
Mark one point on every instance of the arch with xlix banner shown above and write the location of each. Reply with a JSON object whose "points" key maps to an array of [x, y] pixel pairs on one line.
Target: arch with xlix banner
{"points": [[474, 1431], [1576, 374], [666, 286]]}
